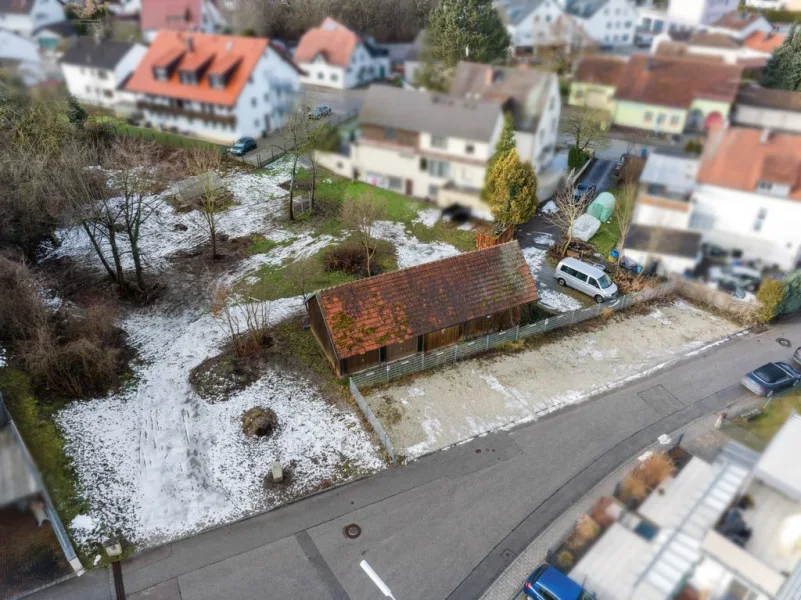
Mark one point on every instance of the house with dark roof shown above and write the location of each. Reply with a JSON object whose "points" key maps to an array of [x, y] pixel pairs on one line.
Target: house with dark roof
{"points": [[426, 144], [531, 96], [95, 70], [25, 17], [664, 94], [219, 87], [180, 15], [332, 55], [666, 250], [779, 110], [370, 322]]}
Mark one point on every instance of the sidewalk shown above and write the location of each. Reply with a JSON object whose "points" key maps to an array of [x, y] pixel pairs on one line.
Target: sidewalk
{"points": [[700, 438]]}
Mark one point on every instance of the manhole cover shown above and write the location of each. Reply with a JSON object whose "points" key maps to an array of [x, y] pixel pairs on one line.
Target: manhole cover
{"points": [[507, 554], [352, 531], [784, 342]]}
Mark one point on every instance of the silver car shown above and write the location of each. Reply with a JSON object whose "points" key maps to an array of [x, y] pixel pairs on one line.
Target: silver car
{"points": [[585, 278]]}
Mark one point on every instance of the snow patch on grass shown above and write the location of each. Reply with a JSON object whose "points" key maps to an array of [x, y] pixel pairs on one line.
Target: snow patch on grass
{"points": [[558, 301], [410, 251], [428, 217], [535, 258], [550, 208]]}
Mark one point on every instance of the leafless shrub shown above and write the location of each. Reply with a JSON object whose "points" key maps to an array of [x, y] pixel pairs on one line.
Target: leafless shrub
{"points": [[586, 530], [245, 325], [656, 469], [633, 488], [599, 512], [21, 308]]}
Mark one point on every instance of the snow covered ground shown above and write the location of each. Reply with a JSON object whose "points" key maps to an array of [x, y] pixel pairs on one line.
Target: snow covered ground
{"points": [[155, 461]]}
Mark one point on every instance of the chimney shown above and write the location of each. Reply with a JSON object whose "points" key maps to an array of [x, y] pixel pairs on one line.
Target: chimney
{"points": [[190, 46], [764, 138], [229, 45]]}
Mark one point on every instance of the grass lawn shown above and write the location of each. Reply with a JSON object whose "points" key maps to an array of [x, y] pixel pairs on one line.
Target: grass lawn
{"points": [[162, 137], [609, 233], [773, 417], [35, 422], [270, 282]]}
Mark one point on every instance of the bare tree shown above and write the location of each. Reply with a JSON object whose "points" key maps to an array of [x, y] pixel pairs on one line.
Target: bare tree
{"points": [[205, 165], [317, 133], [138, 179], [624, 215], [302, 275], [360, 213], [588, 128], [295, 134], [567, 211]]}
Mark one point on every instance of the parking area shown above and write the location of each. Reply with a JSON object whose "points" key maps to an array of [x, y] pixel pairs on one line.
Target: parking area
{"points": [[437, 409]]}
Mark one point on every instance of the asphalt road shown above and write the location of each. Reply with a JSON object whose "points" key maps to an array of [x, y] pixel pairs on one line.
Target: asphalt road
{"points": [[446, 525]]}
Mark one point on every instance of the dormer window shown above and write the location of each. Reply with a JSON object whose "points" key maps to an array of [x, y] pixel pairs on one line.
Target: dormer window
{"points": [[160, 73], [188, 77], [217, 81]]}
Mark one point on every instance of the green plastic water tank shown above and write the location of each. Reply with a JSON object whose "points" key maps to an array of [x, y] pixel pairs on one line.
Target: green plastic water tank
{"points": [[603, 207]]}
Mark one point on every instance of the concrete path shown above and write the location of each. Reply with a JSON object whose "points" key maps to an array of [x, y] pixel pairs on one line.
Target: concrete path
{"points": [[447, 525]]}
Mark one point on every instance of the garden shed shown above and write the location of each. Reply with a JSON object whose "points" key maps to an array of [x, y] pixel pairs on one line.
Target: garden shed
{"points": [[395, 315]]}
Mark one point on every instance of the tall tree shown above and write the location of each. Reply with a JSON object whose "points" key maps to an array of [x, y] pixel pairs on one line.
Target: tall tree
{"points": [[780, 70], [588, 128], [624, 215], [566, 212], [511, 190], [205, 165], [506, 143], [461, 30], [295, 135]]}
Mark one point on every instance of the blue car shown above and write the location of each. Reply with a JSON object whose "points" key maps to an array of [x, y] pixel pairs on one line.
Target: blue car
{"points": [[242, 146], [771, 378], [548, 583]]}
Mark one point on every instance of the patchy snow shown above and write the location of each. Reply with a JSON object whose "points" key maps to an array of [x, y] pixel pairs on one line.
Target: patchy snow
{"points": [[259, 200], [544, 239], [557, 300], [409, 250], [3, 357], [84, 529], [535, 258], [467, 226], [550, 208], [156, 462], [428, 216]]}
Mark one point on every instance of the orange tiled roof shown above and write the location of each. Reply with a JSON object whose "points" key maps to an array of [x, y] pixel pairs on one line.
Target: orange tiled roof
{"points": [[737, 158], [225, 49], [393, 307], [332, 40], [677, 81], [764, 42]]}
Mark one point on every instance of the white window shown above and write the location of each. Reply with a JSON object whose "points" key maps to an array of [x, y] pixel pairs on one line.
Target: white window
{"points": [[395, 183], [438, 141], [253, 102], [256, 122], [334, 77], [469, 149], [320, 75], [438, 168], [266, 96]]}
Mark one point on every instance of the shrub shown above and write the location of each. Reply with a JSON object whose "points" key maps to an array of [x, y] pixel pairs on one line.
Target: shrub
{"points": [[770, 296], [564, 560], [607, 314], [586, 530], [656, 469], [74, 356], [693, 146], [21, 308], [633, 488], [599, 512], [259, 422], [349, 258], [791, 301], [576, 158]]}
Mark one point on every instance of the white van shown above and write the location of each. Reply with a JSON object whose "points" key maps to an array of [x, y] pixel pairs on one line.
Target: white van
{"points": [[585, 278]]}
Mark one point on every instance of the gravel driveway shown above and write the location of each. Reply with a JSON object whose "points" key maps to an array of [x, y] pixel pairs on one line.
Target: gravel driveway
{"points": [[440, 408]]}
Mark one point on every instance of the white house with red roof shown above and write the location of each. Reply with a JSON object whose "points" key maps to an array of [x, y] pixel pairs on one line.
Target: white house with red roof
{"points": [[219, 87], [334, 56], [180, 15]]}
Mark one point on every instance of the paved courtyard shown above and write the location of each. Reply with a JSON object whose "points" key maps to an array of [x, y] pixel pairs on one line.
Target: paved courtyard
{"points": [[443, 407]]}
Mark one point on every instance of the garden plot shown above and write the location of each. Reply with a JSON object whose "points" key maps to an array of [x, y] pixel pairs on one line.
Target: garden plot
{"points": [[471, 397]]}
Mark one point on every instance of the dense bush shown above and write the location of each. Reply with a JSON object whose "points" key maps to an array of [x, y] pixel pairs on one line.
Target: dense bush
{"points": [[576, 158], [770, 296]]}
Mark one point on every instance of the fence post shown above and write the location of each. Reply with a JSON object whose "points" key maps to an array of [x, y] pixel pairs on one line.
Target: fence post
{"points": [[517, 332], [486, 342], [455, 351], [387, 368]]}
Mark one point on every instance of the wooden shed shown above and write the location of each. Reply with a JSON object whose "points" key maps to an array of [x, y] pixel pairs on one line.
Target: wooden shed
{"points": [[385, 318]]}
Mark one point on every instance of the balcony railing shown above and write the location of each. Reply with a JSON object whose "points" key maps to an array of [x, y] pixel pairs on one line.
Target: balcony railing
{"points": [[184, 112]]}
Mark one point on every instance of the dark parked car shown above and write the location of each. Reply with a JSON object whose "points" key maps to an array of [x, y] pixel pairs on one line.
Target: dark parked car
{"points": [[584, 192], [771, 378], [797, 356], [242, 146], [548, 583], [318, 112]]}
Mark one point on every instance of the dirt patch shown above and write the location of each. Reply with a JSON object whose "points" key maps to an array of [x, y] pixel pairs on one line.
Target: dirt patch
{"points": [[216, 378], [471, 397]]}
